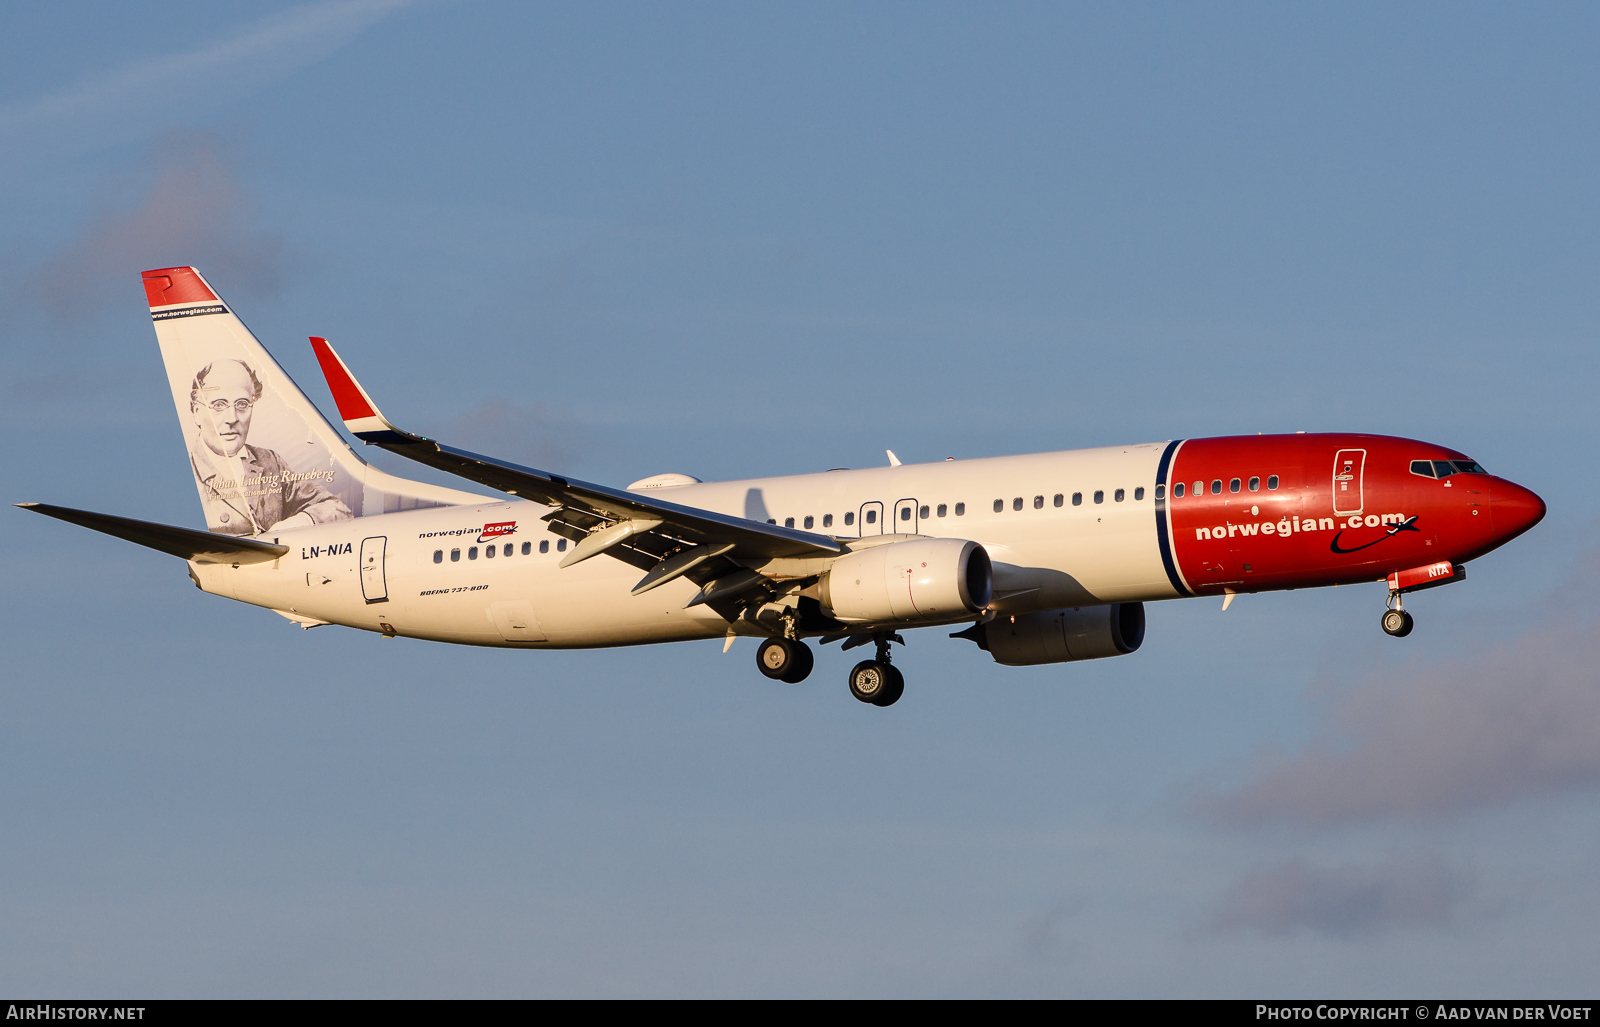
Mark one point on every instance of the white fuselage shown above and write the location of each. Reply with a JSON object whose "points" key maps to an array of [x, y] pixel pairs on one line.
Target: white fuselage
{"points": [[427, 573]]}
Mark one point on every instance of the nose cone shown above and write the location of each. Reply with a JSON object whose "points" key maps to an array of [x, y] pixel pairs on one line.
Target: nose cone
{"points": [[1513, 509]]}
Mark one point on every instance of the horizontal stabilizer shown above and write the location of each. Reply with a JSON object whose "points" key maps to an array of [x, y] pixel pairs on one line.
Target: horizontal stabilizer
{"points": [[184, 543]]}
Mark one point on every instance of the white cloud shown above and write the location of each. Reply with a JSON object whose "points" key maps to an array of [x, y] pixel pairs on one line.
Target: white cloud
{"points": [[195, 212], [1347, 901], [1433, 740]]}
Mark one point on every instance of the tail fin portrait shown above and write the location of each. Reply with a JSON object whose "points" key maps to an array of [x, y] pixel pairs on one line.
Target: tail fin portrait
{"points": [[264, 458]]}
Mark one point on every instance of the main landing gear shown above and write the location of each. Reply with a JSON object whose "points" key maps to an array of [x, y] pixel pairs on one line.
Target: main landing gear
{"points": [[878, 681], [875, 681], [1396, 621], [785, 659]]}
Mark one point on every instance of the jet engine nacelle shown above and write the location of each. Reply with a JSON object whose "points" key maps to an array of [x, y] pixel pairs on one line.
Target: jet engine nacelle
{"points": [[1061, 636], [933, 580]]}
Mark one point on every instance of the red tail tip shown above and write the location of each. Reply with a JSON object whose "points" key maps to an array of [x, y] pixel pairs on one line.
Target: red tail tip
{"points": [[168, 285]]}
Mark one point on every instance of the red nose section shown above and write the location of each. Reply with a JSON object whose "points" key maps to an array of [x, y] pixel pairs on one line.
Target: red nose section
{"points": [[1513, 509]]}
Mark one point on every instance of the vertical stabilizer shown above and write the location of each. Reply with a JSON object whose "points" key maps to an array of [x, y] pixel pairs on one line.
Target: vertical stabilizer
{"points": [[263, 456]]}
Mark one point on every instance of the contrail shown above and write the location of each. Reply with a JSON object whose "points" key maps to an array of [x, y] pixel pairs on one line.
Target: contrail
{"points": [[289, 40]]}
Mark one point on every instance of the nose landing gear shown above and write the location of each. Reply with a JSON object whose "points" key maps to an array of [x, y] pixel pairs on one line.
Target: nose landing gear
{"points": [[1396, 621]]}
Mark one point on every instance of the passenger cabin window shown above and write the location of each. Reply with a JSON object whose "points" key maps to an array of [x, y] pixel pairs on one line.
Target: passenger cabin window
{"points": [[472, 552], [1216, 487], [827, 520], [1255, 484], [1177, 491], [1059, 499], [1119, 494], [810, 521], [788, 522], [527, 549], [561, 545], [1233, 486], [438, 556], [849, 518], [1099, 497], [1138, 493], [488, 553], [872, 517], [455, 556], [1200, 487], [1038, 502], [1272, 482], [1077, 499], [905, 513], [943, 509], [508, 549], [923, 513], [961, 509], [1016, 504], [999, 505], [544, 545]]}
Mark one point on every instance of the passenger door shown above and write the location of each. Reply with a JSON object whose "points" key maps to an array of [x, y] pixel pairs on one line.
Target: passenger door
{"points": [[374, 586], [905, 517], [1348, 465]]}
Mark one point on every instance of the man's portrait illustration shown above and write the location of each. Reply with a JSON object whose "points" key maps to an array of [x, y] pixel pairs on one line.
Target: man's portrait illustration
{"points": [[247, 489]]}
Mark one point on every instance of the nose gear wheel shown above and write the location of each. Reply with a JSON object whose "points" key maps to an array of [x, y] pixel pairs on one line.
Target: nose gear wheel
{"points": [[1397, 623]]}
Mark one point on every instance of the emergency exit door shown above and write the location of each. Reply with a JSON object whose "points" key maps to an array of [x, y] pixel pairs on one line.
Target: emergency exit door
{"points": [[1348, 465], [373, 584], [871, 519]]}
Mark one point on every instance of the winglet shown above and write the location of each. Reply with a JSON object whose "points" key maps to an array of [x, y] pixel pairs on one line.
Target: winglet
{"points": [[894, 461], [361, 415]]}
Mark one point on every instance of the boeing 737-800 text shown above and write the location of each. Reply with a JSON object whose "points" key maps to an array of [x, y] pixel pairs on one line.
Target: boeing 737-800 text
{"points": [[1047, 558]]}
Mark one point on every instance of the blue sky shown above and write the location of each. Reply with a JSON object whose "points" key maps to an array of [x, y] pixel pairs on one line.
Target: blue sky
{"points": [[739, 240]]}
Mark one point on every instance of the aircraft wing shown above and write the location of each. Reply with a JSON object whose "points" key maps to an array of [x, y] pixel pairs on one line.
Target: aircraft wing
{"points": [[185, 543], [641, 530]]}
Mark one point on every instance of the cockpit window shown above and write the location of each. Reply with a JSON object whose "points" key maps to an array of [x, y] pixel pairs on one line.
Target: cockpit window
{"points": [[1445, 468]]}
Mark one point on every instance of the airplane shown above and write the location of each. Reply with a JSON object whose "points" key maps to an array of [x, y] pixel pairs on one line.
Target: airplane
{"points": [[1045, 558]]}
